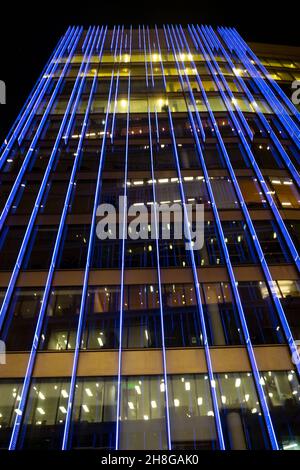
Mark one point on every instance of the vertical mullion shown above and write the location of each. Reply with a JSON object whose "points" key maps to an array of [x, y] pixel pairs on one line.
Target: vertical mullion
{"points": [[124, 230], [156, 226]]}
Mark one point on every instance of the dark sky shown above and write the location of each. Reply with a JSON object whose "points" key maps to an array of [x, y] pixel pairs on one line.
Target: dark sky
{"points": [[30, 31]]}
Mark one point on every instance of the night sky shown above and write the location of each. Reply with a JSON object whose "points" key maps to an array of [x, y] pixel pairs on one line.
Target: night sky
{"points": [[30, 31]]}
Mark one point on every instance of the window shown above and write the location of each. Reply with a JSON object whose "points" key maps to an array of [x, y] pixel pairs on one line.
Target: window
{"points": [[272, 243], [141, 318], [143, 421], [10, 242], [40, 248], [210, 254], [191, 413], [45, 414], [60, 324], [289, 292], [262, 321], [83, 196], [282, 391], [10, 392], [221, 316], [20, 322], [94, 413], [102, 318], [224, 193], [242, 423], [181, 317], [238, 242], [74, 246], [286, 193]]}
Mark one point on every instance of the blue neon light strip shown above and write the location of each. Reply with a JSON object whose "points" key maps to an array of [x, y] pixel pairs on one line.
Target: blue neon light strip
{"points": [[199, 122], [150, 56], [27, 109], [124, 226], [169, 440], [246, 335], [17, 266], [80, 79], [65, 442], [285, 157], [160, 56], [196, 281], [289, 104], [145, 56], [198, 295], [112, 39], [42, 312], [124, 222], [233, 42], [28, 156], [117, 40], [31, 97], [86, 39], [256, 168], [49, 79]]}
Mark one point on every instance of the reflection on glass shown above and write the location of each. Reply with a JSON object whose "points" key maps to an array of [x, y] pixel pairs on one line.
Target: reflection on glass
{"points": [[94, 413], [60, 324], [143, 421], [45, 414], [242, 421], [283, 393], [10, 391], [20, 322], [191, 413]]}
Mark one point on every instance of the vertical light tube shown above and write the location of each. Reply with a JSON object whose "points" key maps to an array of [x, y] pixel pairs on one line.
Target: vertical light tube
{"points": [[212, 381], [249, 347], [35, 95], [30, 224], [65, 442], [27, 378], [160, 288], [285, 157], [233, 42], [124, 231], [27, 158], [256, 168]]}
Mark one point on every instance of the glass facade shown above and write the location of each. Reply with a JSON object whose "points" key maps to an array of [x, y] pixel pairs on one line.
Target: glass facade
{"points": [[141, 343]]}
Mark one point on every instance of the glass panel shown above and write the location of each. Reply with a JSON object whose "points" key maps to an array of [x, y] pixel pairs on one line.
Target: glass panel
{"points": [[60, 324], [45, 414], [20, 321], [94, 414], [283, 393], [191, 413], [263, 324], [143, 422], [242, 422], [10, 391]]}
